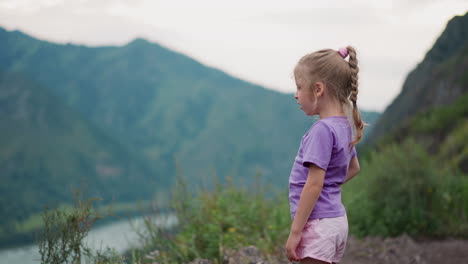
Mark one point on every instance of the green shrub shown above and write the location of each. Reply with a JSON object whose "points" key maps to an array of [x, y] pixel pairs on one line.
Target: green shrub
{"points": [[62, 237], [440, 117], [227, 217], [403, 189]]}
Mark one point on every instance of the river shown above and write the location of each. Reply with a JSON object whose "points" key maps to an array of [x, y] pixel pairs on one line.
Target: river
{"points": [[119, 235]]}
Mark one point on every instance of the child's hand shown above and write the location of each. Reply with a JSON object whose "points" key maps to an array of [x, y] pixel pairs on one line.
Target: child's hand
{"points": [[291, 246]]}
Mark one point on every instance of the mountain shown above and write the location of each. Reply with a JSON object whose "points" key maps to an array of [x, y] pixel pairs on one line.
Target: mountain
{"points": [[127, 119], [167, 107], [438, 80], [442, 130], [418, 151], [48, 148]]}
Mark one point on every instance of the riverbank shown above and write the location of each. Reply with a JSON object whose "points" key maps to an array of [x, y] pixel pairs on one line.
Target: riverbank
{"points": [[27, 232], [119, 236]]}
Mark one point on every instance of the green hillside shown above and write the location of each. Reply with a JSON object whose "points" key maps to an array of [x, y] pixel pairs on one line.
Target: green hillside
{"points": [[423, 167], [123, 116], [441, 122], [48, 147], [418, 151], [162, 105], [442, 130], [438, 80]]}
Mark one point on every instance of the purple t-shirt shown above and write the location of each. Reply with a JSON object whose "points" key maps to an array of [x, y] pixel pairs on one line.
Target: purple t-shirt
{"points": [[326, 144]]}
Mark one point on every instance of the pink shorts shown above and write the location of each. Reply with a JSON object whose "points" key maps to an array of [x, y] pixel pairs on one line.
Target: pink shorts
{"points": [[324, 239]]}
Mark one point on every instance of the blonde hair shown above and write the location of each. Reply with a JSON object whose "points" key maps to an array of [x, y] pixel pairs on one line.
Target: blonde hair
{"points": [[339, 76]]}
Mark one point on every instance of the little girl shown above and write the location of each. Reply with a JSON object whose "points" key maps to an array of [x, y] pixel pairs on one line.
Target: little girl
{"points": [[327, 85]]}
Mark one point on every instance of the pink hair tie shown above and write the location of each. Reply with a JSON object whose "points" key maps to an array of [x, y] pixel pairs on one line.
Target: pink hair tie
{"points": [[343, 52]]}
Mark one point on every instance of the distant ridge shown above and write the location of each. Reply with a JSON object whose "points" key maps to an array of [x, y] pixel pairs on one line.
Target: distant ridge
{"points": [[438, 80]]}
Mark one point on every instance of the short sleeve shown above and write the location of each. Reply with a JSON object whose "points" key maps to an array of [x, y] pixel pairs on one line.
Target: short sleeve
{"points": [[353, 152], [318, 146]]}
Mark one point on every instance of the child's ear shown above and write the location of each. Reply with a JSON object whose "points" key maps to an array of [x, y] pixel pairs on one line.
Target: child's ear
{"points": [[319, 88]]}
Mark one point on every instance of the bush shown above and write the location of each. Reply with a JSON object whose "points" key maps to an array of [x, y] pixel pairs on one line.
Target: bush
{"points": [[61, 240], [64, 230], [403, 189], [211, 221]]}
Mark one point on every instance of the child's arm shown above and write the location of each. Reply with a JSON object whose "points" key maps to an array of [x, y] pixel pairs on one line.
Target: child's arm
{"points": [[309, 196], [353, 169]]}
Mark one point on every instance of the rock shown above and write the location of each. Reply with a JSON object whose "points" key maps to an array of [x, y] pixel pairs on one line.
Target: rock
{"points": [[400, 249], [248, 255], [200, 261]]}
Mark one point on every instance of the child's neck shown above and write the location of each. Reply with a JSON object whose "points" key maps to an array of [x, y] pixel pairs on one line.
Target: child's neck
{"points": [[325, 116], [332, 110]]}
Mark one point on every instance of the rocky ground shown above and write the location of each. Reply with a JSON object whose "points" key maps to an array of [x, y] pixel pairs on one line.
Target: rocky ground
{"points": [[401, 250], [404, 249]]}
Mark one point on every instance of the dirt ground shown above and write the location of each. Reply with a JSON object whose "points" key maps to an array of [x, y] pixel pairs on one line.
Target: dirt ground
{"points": [[398, 250], [404, 249]]}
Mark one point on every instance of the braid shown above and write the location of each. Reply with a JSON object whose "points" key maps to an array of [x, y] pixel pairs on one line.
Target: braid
{"points": [[353, 88], [341, 78]]}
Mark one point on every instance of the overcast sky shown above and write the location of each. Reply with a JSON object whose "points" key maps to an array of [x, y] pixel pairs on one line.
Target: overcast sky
{"points": [[258, 41]]}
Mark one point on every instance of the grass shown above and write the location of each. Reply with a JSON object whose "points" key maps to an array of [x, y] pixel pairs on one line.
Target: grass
{"points": [[213, 221]]}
